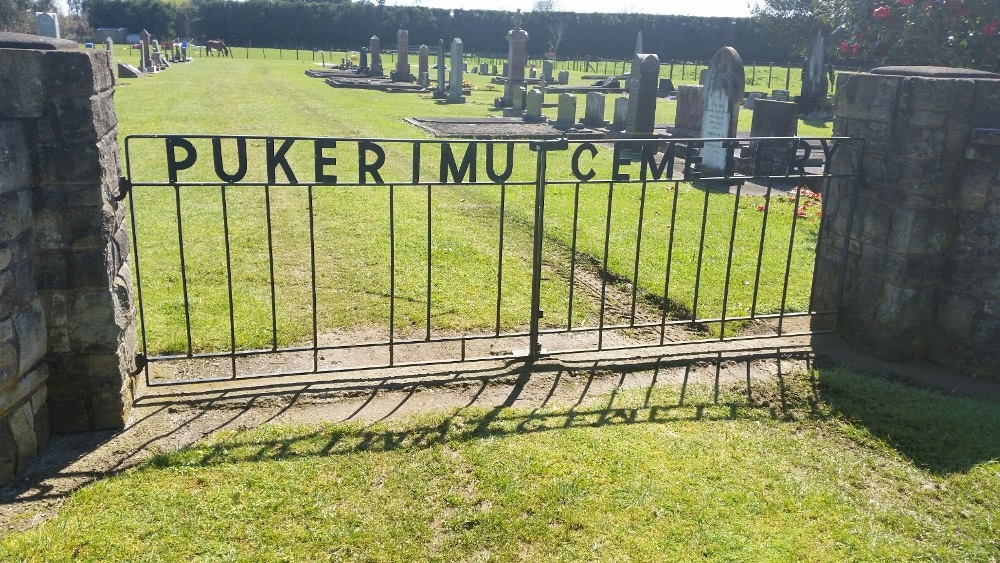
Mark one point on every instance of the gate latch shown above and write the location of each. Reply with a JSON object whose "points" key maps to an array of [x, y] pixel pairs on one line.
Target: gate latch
{"points": [[549, 145]]}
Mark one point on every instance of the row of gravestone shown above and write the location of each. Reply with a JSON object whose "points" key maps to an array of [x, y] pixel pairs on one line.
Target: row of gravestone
{"points": [[152, 57]]}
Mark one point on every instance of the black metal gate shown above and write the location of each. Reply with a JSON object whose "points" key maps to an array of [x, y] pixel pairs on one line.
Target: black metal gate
{"points": [[276, 256]]}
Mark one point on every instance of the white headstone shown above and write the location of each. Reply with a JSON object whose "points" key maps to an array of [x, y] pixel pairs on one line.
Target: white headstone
{"points": [[722, 97], [593, 113], [567, 109], [455, 87]]}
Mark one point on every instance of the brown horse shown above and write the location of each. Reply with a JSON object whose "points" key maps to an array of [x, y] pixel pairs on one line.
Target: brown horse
{"points": [[217, 45]]}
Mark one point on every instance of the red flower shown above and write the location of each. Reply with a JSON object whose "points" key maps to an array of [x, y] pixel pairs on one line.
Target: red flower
{"points": [[845, 47], [760, 208], [991, 29], [881, 13], [906, 2]]}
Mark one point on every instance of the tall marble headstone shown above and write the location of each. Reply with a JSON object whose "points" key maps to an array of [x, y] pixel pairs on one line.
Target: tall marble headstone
{"points": [[517, 59], [455, 88], [439, 92], [567, 109], [722, 98], [422, 66], [47, 24], [638, 43], [402, 73], [641, 113], [375, 46], [593, 113]]}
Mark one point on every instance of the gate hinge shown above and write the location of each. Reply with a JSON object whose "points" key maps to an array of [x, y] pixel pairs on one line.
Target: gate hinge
{"points": [[549, 145], [124, 187]]}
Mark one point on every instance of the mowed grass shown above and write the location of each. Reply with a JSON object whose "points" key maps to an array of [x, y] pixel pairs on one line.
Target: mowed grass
{"points": [[832, 466], [351, 233]]}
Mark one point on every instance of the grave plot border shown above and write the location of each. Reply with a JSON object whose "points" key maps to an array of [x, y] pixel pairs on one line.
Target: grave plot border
{"points": [[831, 165]]}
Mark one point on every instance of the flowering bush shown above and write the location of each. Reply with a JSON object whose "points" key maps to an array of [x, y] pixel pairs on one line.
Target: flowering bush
{"points": [[961, 33]]}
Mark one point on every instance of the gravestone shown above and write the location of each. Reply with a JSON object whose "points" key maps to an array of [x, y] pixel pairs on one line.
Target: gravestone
{"points": [[770, 119], [533, 105], [621, 113], [109, 45], [455, 91], [567, 109], [505, 68], [547, 68], [517, 58], [532, 73], [702, 76], [593, 112], [363, 60], [563, 77], [641, 112], [47, 24], [422, 66], [814, 81], [690, 103], [484, 68], [519, 98], [439, 92], [402, 72], [493, 70], [375, 47], [751, 101], [665, 88], [147, 61], [780, 95], [722, 97], [126, 70]]}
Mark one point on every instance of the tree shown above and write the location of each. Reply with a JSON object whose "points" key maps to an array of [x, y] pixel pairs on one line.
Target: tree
{"points": [[556, 29], [14, 15], [962, 33]]}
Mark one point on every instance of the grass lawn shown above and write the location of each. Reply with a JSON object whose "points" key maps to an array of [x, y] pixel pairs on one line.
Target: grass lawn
{"points": [[835, 467], [272, 97]]}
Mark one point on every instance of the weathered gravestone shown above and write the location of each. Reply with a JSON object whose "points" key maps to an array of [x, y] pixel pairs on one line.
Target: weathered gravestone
{"points": [[109, 45], [422, 66], [722, 98], [126, 70], [641, 114], [563, 77], [771, 157], [780, 95], [47, 24], [147, 60], [532, 73], [621, 113], [517, 58], [402, 72], [814, 81], [493, 70], [519, 98], [690, 103], [567, 109], [666, 86], [593, 112], [547, 68], [484, 68], [375, 46], [363, 60], [439, 92], [533, 105], [455, 88]]}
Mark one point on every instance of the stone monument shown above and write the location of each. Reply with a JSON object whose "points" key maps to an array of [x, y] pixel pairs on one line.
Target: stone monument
{"points": [[147, 60], [687, 122], [593, 113], [109, 45], [422, 67], [621, 113], [722, 98], [547, 68], [402, 72], [814, 81], [455, 88], [533, 105], [439, 92], [770, 119], [567, 109], [376, 51], [641, 113], [47, 24], [517, 58]]}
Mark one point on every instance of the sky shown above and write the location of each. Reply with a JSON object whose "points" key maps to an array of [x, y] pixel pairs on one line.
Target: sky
{"points": [[707, 8]]}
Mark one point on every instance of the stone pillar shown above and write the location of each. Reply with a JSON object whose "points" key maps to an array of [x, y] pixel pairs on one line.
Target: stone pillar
{"points": [[67, 326], [402, 73], [913, 212], [376, 52], [517, 59], [455, 88], [422, 66]]}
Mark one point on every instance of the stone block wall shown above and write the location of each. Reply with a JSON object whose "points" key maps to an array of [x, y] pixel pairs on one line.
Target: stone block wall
{"points": [[67, 324], [912, 213]]}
